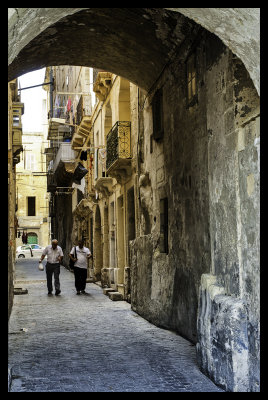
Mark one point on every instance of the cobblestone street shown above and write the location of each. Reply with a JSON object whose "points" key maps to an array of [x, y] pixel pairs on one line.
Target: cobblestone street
{"points": [[89, 343]]}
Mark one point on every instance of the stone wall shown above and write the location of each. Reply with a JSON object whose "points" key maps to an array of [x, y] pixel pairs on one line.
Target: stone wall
{"points": [[207, 287], [228, 324], [176, 169]]}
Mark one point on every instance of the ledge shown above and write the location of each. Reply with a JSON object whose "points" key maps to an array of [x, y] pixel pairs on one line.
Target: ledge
{"points": [[105, 186]]}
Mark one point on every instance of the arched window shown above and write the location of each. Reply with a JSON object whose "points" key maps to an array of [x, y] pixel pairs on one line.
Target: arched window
{"points": [[32, 238]]}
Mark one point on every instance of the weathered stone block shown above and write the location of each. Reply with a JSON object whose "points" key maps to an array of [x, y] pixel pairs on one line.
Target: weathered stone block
{"points": [[108, 290], [223, 343], [115, 296]]}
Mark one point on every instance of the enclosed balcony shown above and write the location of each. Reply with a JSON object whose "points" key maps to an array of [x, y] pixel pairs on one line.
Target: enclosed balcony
{"points": [[118, 163], [17, 111], [65, 154], [64, 164]]}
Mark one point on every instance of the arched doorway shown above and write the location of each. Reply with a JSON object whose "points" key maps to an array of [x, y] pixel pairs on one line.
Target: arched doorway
{"points": [[98, 245], [120, 240], [32, 238]]}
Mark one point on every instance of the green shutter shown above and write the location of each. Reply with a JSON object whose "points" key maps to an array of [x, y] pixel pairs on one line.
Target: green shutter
{"points": [[32, 239]]}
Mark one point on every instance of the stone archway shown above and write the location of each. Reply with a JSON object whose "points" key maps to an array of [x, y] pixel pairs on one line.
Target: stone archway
{"points": [[138, 44], [135, 43]]}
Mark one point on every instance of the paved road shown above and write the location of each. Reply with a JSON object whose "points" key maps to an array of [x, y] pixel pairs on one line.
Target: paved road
{"points": [[89, 343]]}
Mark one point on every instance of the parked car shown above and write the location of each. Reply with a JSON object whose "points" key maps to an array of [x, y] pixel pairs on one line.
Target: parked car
{"points": [[29, 250]]}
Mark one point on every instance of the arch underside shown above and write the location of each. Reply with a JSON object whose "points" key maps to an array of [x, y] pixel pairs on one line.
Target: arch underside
{"points": [[135, 43]]}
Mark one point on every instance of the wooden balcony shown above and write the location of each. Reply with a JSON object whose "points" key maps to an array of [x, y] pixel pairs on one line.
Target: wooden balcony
{"points": [[17, 112], [64, 165]]}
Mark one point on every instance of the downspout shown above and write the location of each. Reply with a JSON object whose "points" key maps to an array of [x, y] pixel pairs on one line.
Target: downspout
{"points": [[51, 93]]}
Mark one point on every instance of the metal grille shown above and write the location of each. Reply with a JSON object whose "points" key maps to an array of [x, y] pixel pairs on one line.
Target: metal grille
{"points": [[118, 142]]}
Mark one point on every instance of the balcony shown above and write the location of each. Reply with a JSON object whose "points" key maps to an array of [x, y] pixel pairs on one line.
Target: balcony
{"points": [[64, 165], [17, 111], [51, 183], [54, 133], [65, 154], [103, 184], [83, 108], [118, 163], [83, 121]]}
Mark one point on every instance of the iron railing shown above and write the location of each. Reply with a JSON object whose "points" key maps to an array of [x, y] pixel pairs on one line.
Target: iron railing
{"points": [[118, 142]]}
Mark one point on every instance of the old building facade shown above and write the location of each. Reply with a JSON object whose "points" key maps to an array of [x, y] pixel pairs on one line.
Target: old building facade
{"points": [[15, 111], [174, 223], [69, 107], [32, 197], [31, 183]]}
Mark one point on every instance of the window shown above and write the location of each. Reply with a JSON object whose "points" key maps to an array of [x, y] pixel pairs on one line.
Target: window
{"points": [[30, 162], [158, 120], [164, 225], [191, 81], [16, 120], [31, 206]]}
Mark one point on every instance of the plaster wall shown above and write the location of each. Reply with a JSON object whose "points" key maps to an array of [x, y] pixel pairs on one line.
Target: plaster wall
{"points": [[31, 181]]}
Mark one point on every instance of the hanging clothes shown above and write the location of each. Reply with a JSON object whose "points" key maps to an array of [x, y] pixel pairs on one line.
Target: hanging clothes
{"points": [[91, 161], [83, 156], [102, 160], [24, 238], [96, 164], [69, 104]]}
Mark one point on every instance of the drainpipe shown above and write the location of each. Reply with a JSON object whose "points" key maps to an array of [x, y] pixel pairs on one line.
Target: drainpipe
{"points": [[51, 92]]}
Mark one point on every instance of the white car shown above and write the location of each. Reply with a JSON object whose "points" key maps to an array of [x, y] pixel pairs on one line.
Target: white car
{"points": [[29, 250]]}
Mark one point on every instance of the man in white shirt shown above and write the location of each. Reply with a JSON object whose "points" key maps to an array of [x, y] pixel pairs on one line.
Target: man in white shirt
{"points": [[80, 266], [54, 258]]}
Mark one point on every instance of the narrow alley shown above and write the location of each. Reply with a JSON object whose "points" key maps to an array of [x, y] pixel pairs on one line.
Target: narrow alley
{"points": [[89, 343], [134, 143]]}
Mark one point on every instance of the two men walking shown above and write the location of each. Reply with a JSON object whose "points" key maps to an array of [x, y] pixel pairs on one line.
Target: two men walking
{"points": [[54, 255]]}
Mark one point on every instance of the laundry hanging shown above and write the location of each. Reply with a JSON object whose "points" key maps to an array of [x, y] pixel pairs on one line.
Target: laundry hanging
{"points": [[102, 160], [79, 173], [96, 164], [83, 156], [69, 104]]}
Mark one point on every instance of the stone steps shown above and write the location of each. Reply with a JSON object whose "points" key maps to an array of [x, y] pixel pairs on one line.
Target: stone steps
{"points": [[113, 294]]}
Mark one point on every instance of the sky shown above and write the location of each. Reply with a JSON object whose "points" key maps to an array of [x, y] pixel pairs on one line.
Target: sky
{"points": [[32, 119]]}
